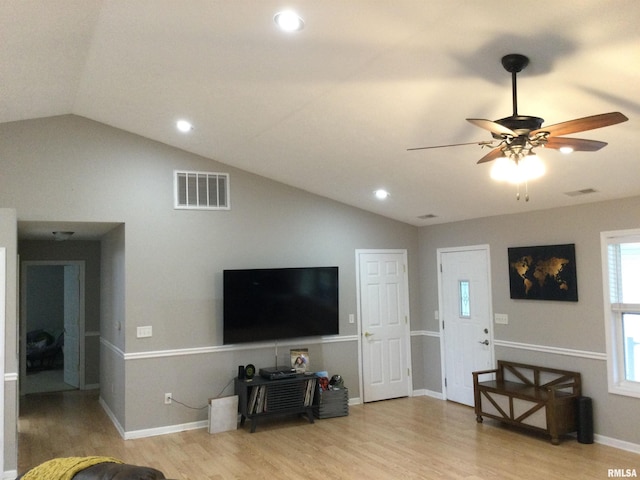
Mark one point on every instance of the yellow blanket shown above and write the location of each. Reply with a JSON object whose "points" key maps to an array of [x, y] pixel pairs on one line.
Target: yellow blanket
{"points": [[64, 468]]}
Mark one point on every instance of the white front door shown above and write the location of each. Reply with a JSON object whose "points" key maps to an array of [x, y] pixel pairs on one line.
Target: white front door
{"points": [[71, 347], [384, 324], [465, 308]]}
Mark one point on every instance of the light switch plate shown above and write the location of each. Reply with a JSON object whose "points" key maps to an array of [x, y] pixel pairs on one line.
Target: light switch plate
{"points": [[145, 331], [501, 318]]}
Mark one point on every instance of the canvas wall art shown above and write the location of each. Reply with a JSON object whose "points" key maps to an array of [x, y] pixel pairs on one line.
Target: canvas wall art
{"points": [[543, 273]]}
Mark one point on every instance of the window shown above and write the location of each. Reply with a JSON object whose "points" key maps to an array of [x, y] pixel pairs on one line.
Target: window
{"points": [[201, 190], [621, 272], [463, 295]]}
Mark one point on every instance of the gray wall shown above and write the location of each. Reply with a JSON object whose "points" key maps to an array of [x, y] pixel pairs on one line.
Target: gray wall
{"points": [[574, 331], [8, 240], [163, 267]]}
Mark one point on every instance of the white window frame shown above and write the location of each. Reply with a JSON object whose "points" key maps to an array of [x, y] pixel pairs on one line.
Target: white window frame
{"points": [[613, 318]]}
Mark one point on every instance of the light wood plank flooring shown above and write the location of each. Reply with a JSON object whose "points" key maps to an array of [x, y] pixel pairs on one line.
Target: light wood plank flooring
{"points": [[410, 438]]}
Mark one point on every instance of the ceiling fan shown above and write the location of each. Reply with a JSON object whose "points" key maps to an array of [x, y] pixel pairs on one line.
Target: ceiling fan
{"points": [[516, 136]]}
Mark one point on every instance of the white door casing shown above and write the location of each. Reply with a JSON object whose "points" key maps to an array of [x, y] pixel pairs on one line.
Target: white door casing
{"points": [[3, 289], [384, 328], [72, 325], [464, 285]]}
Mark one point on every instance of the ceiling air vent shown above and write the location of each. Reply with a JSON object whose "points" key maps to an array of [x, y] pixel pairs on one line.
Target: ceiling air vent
{"points": [[427, 216], [577, 193], [201, 190]]}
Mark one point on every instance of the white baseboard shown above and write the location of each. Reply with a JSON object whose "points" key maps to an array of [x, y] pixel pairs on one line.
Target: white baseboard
{"points": [[615, 443], [10, 475], [427, 393], [152, 432], [111, 416]]}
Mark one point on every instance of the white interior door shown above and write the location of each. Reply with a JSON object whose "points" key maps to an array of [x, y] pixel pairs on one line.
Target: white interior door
{"points": [[72, 325], [384, 324], [465, 307]]}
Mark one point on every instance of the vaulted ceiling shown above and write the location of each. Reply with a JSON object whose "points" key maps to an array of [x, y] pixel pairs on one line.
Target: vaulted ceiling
{"points": [[332, 108]]}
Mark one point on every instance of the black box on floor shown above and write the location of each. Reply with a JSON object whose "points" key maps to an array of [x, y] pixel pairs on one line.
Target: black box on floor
{"points": [[331, 403]]}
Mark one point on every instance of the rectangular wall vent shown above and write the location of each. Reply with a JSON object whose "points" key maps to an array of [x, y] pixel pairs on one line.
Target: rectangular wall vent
{"points": [[201, 190], [584, 191]]}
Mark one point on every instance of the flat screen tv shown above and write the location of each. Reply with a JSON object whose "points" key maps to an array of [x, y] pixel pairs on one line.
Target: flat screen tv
{"points": [[279, 303]]}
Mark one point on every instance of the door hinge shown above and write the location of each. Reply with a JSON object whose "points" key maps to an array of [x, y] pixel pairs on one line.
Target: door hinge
{"points": [[443, 324], [440, 268], [445, 382]]}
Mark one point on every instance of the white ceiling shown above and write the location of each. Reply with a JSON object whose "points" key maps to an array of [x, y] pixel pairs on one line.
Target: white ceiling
{"points": [[332, 109]]}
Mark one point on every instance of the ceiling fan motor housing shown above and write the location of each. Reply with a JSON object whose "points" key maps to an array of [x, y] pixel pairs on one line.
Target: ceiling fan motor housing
{"points": [[520, 124]]}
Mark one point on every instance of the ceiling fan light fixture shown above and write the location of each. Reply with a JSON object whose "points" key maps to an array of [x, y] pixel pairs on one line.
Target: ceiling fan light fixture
{"points": [[566, 150], [517, 171]]}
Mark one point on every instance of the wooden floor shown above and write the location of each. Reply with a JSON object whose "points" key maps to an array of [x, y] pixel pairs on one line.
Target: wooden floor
{"points": [[410, 438]]}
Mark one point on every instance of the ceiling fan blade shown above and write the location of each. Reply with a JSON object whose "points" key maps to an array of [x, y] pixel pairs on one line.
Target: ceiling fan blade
{"points": [[450, 145], [493, 127], [577, 144], [492, 155], [582, 124]]}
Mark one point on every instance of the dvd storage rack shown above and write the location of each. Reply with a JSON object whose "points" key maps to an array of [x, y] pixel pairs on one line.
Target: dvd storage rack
{"points": [[259, 398]]}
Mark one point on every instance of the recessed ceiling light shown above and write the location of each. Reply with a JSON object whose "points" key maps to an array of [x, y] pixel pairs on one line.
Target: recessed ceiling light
{"points": [[184, 126], [289, 21], [381, 194]]}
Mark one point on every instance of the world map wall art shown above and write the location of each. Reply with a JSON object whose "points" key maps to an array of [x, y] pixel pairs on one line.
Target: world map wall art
{"points": [[543, 273]]}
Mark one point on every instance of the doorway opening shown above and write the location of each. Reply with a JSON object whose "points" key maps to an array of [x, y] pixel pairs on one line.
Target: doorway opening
{"points": [[52, 326]]}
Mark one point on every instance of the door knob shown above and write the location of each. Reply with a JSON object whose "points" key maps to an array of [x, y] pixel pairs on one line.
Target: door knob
{"points": [[367, 334], [486, 342]]}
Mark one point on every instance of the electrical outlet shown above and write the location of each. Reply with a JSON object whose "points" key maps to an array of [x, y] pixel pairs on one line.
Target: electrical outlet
{"points": [[167, 399]]}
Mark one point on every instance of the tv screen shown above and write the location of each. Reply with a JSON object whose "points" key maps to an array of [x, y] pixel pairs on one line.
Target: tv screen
{"points": [[279, 303]]}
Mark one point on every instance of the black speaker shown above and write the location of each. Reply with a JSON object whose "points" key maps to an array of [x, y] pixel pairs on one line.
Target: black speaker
{"points": [[584, 419], [240, 372]]}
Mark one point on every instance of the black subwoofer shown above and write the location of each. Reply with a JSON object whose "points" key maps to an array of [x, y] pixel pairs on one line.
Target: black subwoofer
{"points": [[584, 419]]}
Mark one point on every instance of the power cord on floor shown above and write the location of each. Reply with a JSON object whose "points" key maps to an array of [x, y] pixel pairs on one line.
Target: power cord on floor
{"points": [[202, 408], [188, 406]]}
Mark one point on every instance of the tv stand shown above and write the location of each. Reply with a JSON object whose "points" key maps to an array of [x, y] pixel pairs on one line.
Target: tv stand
{"points": [[260, 398]]}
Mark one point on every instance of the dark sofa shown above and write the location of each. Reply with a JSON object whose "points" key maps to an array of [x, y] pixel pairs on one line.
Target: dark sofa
{"points": [[115, 471]]}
